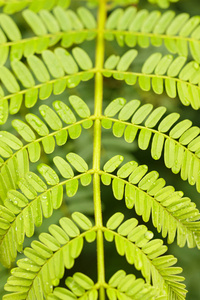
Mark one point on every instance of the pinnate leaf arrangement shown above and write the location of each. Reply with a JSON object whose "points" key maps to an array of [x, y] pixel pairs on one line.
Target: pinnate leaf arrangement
{"points": [[52, 54]]}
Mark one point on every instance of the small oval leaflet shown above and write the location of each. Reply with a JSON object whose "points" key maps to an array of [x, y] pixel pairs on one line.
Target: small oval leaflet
{"points": [[24, 130], [126, 60], [23, 73], [58, 233], [49, 174], [53, 63], [79, 106], [72, 187], [36, 182], [9, 80], [11, 140], [127, 169], [113, 163], [37, 124], [69, 227], [82, 58], [77, 162], [87, 18], [114, 107], [82, 220], [17, 198], [64, 112], [111, 62], [68, 62], [34, 22], [50, 117], [151, 63], [63, 167], [10, 28], [83, 280], [128, 110], [115, 221]]}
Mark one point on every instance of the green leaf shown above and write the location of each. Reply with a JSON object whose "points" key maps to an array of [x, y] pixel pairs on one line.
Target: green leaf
{"points": [[137, 174], [17, 198], [113, 18], [126, 19], [23, 73], [36, 182], [189, 135], [126, 60], [11, 140], [10, 28], [64, 22], [79, 106], [86, 179], [77, 162], [83, 280], [59, 234], [49, 21], [177, 24], [176, 66], [49, 241], [48, 144], [82, 58], [34, 22], [37, 124], [69, 227], [113, 163], [24, 130], [67, 61], [127, 169], [168, 121], [114, 107], [50, 117], [180, 128], [163, 64], [53, 64], [64, 112], [76, 23], [128, 110], [141, 113], [9, 80], [63, 167], [115, 221], [87, 18], [38, 68], [111, 62], [118, 188], [151, 63], [72, 187], [155, 116], [49, 174], [82, 220]]}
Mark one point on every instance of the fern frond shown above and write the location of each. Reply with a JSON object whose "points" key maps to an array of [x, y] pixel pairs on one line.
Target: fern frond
{"points": [[171, 212], [58, 63], [79, 286], [36, 126], [19, 216], [159, 72], [180, 146], [177, 32], [136, 244], [45, 261], [49, 29], [121, 285], [13, 6]]}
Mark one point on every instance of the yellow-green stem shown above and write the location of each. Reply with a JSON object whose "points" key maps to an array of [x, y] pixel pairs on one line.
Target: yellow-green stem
{"points": [[97, 145]]}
